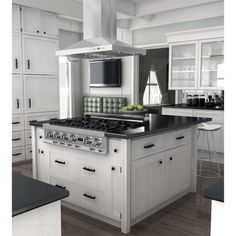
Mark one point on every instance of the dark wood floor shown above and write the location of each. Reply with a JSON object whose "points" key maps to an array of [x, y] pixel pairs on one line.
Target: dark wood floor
{"points": [[188, 216]]}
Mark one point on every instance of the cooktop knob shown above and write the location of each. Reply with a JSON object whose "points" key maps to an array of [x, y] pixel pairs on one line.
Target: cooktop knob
{"points": [[65, 137], [49, 134], [73, 138], [97, 142], [88, 140], [57, 135]]}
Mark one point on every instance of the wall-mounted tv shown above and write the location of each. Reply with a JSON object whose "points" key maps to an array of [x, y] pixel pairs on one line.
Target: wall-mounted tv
{"points": [[105, 73]]}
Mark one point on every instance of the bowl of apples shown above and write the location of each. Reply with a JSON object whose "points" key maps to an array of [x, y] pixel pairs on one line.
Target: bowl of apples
{"points": [[134, 109]]}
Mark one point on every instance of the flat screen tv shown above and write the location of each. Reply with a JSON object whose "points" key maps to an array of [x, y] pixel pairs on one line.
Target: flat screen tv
{"points": [[105, 73]]}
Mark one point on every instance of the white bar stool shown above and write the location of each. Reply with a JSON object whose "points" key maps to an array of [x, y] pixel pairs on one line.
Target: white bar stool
{"points": [[207, 129]]}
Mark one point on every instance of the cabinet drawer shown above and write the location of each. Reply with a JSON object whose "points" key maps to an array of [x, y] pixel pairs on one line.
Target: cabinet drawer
{"points": [[28, 137], [39, 117], [17, 123], [18, 154], [178, 138], [89, 198], [17, 139], [147, 146], [28, 152]]}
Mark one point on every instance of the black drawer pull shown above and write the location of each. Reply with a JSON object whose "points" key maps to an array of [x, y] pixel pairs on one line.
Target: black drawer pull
{"points": [[30, 151], [44, 32], [30, 136], [89, 196], [17, 103], [180, 137], [59, 186], [171, 158], [88, 169], [16, 62], [16, 139], [28, 64], [37, 31], [16, 123], [42, 152], [60, 162], [149, 146], [16, 154], [113, 168], [160, 162]]}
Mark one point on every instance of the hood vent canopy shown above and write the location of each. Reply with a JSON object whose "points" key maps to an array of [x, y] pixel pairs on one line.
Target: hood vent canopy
{"points": [[99, 28]]}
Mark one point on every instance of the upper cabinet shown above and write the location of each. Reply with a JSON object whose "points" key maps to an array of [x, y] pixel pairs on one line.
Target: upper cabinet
{"points": [[16, 18], [16, 52], [196, 59], [41, 23], [40, 55]]}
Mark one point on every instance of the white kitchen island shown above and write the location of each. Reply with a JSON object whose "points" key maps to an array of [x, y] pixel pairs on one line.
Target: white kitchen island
{"points": [[144, 170]]}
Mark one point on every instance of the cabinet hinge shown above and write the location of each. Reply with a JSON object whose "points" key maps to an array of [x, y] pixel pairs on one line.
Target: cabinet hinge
{"points": [[120, 169], [120, 216]]}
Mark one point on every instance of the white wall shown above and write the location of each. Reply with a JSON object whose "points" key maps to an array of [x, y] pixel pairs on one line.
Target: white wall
{"points": [[156, 35]]}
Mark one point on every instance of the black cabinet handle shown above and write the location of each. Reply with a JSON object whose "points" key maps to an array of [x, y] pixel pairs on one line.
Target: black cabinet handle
{"points": [[16, 63], [38, 31], [40, 136], [30, 151], [32, 120], [180, 137], [59, 186], [17, 103], [15, 123], [29, 102], [60, 162], [28, 64], [113, 168], [88, 169], [42, 152], [16, 139], [171, 158], [149, 146], [89, 196], [16, 154], [44, 32], [115, 150], [30, 136], [160, 162]]}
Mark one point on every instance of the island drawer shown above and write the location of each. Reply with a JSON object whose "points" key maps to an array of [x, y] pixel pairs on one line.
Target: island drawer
{"points": [[178, 138], [28, 152], [28, 137], [17, 139], [145, 146]]}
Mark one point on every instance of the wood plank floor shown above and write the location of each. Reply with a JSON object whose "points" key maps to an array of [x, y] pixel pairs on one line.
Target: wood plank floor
{"points": [[188, 216]]}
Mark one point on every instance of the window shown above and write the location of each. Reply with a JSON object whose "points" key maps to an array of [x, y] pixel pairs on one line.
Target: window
{"points": [[152, 94]]}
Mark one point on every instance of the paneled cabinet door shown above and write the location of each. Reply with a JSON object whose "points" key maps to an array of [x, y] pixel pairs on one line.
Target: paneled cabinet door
{"points": [[40, 55], [15, 18], [49, 24], [41, 93], [17, 94], [147, 178], [212, 65], [31, 21], [16, 53], [178, 170], [183, 66]]}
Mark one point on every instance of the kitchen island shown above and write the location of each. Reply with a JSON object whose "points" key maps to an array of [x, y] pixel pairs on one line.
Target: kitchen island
{"points": [[144, 168], [36, 208]]}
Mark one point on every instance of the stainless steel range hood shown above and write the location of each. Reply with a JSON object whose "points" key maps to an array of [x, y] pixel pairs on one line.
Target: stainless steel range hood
{"points": [[99, 28]]}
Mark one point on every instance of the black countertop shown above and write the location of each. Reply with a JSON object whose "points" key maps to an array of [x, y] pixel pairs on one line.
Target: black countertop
{"points": [[216, 191], [28, 194], [184, 106], [153, 124]]}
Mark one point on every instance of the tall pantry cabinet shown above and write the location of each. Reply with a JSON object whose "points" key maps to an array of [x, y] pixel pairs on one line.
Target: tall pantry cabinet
{"points": [[35, 82]]}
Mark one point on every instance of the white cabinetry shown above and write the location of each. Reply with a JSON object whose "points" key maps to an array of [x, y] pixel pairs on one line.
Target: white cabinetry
{"points": [[41, 93], [16, 52], [39, 55], [17, 94], [16, 26], [41, 23]]}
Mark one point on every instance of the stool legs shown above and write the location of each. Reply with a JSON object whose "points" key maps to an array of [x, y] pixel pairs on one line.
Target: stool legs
{"points": [[216, 156]]}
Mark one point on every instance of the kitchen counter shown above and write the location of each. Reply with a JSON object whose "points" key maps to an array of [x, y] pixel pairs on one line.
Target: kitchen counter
{"points": [[216, 191], [153, 124], [184, 106], [29, 194]]}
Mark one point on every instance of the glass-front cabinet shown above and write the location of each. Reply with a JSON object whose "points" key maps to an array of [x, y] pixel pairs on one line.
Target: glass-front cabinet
{"points": [[197, 65], [183, 73], [212, 65]]}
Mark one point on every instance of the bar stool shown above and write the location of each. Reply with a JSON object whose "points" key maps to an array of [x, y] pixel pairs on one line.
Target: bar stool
{"points": [[207, 129]]}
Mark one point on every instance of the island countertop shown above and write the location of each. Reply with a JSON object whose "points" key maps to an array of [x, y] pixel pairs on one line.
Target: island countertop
{"points": [[28, 194], [153, 124], [185, 106]]}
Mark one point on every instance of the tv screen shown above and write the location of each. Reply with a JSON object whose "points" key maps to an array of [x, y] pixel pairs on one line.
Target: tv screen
{"points": [[105, 73]]}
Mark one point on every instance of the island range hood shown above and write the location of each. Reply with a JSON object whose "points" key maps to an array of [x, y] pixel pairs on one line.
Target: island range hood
{"points": [[99, 29]]}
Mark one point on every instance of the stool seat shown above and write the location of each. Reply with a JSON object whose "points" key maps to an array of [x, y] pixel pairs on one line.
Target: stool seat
{"points": [[212, 127]]}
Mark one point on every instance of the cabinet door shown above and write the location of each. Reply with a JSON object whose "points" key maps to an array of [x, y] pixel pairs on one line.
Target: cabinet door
{"points": [[16, 53], [49, 24], [40, 55], [41, 93], [146, 184], [17, 94], [31, 21], [16, 18], [212, 65], [178, 170], [183, 66]]}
